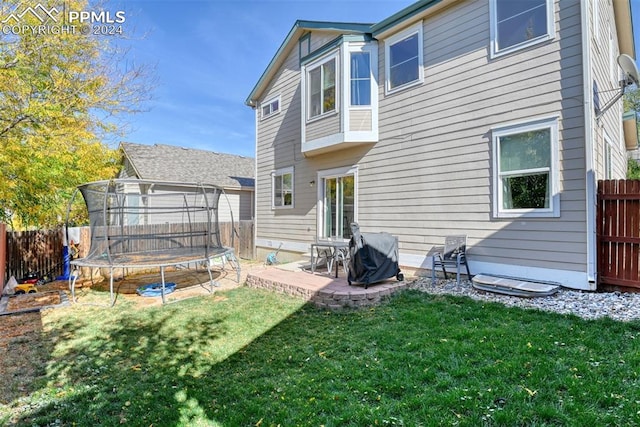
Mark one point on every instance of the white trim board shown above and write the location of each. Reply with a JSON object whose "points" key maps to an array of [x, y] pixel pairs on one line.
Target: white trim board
{"points": [[286, 246], [567, 278]]}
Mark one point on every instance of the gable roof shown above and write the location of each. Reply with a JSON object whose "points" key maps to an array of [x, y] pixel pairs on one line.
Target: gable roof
{"points": [[180, 164], [298, 29]]}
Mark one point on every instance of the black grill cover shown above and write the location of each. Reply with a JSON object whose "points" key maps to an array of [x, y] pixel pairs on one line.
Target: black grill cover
{"points": [[374, 256]]}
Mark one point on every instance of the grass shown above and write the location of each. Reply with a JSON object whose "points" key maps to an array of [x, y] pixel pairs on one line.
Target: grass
{"points": [[255, 358]]}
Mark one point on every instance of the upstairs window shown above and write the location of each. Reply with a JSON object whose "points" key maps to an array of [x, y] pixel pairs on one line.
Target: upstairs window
{"points": [[282, 185], [519, 23], [360, 78], [526, 170], [270, 107], [322, 88], [404, 61]]}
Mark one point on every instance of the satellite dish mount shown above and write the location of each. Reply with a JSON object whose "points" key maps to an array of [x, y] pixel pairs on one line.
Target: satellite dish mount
{"points": [[631, 76]]}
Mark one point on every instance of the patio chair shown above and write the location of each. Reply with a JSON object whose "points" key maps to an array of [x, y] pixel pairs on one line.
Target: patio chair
{"points": [[342, 257], [453, 253]]}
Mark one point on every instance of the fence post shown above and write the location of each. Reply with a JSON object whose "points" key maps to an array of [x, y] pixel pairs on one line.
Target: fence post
{"points": [[3, 254]]}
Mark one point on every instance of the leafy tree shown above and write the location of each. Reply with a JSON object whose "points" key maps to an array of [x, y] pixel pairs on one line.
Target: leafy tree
{"points": [[633, 169], [632, 103], [61, 95], [632, 99]]}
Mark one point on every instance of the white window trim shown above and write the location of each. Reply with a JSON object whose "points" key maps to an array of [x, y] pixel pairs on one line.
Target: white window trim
{"points": [[348, 80], [334, 173], [417, 28], [554, 200], [269, 102], [372, 49], [307, 98], [550, 35], [279, 172]]}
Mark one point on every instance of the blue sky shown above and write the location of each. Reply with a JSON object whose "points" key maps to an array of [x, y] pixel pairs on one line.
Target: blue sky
{"points": [[209, 54]]}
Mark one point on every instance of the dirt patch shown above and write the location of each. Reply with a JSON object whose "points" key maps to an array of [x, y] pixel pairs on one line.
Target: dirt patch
{"points": [[182, 278], [24, 354], [39, 299]]}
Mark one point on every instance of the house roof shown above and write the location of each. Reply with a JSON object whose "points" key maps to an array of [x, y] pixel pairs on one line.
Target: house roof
{"points": [[298, 29], [180, 164]]}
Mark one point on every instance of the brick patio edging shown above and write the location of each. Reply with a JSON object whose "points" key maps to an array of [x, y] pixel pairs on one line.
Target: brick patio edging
{"points": [[333, 297]]}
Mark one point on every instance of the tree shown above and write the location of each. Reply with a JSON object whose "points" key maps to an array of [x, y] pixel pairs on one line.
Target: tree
{"points": [[632, 99], [633, 169], [62, 93]]}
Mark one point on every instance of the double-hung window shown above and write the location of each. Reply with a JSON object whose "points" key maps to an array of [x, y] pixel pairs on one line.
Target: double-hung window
{"points": [[404, 59], [322, 88], [517, 24], [282, 185], [525, 170]]}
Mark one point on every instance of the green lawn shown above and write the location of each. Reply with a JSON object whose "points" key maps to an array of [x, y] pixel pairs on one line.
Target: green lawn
{"points": [[256, 358]]}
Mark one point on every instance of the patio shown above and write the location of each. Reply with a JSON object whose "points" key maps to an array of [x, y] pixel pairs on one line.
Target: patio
{"points": [[321, 288]]}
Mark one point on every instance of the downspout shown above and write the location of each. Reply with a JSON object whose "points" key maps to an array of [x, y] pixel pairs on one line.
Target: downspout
{"points": [[255, 187], [590, 174]]}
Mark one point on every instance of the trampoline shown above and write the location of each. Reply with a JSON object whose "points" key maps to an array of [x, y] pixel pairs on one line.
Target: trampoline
{"points": [[152, 224]]}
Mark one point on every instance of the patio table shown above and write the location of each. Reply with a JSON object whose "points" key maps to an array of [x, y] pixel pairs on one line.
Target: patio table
{"points": [[335, 246]]}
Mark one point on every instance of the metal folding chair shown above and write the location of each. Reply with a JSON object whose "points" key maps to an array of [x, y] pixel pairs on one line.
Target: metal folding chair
{"points": [[452, 254]]}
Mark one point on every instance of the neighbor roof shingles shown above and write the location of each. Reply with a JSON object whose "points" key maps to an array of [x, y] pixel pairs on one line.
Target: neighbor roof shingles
{"points": [[179, 164]]}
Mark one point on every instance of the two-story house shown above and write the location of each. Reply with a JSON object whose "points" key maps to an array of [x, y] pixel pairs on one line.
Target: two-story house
{"points": [[476, 117]]}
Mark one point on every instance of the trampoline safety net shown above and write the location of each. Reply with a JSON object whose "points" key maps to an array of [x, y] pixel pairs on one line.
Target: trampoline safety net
{"points": [[142, 223]]}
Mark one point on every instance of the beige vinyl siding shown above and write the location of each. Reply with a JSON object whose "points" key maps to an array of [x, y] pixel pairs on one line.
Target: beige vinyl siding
{"points": [[431, 173], [360, 120], [127, 170], [601, 72], [325, 126], [241, 205], [279, 146], [321, 38]]}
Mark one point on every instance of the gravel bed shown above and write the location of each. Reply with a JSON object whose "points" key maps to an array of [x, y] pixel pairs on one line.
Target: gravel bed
{"points": [[620, 306]]}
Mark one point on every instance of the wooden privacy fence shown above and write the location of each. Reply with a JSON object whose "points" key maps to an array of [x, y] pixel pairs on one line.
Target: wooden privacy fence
{"points": [[618, 233], [37, 251], [41, 251]]}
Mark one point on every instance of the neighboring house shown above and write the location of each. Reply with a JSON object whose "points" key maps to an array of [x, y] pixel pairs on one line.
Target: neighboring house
{"points": [[235, 174], [477, 117]]}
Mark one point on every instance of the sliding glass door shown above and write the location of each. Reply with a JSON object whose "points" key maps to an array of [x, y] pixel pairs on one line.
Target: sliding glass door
{"points": [[339, 206]]}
